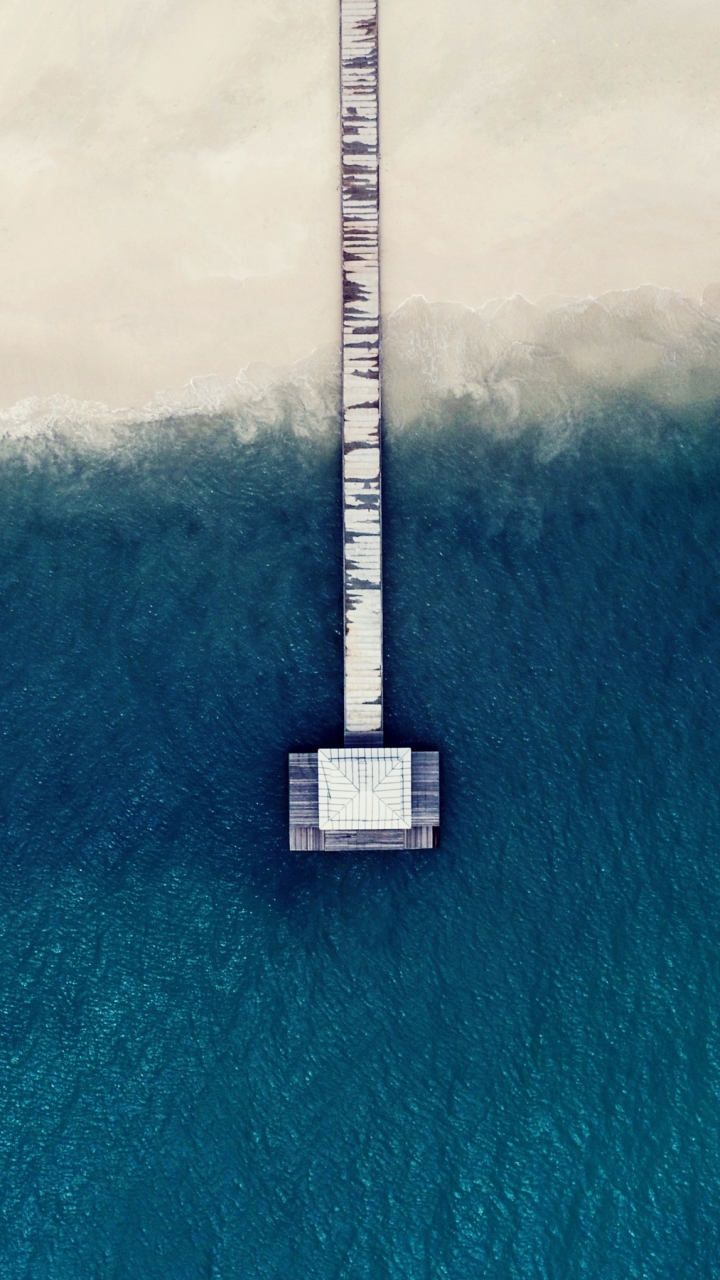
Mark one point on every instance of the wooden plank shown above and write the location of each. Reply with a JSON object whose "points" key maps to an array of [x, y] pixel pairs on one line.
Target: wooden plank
{"points": [[422, 837], [312, 839], [303, 771], [306, 839], [367, 841], [362, 532], [425, 788]]}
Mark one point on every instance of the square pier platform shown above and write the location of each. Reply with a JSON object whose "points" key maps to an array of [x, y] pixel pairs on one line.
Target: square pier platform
{"points": [[352, 798]]}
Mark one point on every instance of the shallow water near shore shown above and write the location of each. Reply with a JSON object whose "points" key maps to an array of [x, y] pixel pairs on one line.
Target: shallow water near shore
{"points": [[500, 1058]]}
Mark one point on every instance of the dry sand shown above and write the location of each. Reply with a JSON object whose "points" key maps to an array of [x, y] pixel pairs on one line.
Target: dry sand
{"points": [[168, 172]]}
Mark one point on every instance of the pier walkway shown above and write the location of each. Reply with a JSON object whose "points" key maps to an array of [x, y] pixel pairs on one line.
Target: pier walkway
{"points": [[362, 517]]}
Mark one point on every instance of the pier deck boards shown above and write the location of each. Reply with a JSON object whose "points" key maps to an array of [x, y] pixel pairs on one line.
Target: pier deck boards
{"points": [[305, 832], [362, 549]]}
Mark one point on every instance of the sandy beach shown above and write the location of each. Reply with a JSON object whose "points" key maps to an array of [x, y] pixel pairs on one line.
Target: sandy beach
{"points": [[168, 174]]}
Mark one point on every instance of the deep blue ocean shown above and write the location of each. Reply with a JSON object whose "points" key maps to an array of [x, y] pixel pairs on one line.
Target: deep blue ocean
{"points": [[220, 1060]]}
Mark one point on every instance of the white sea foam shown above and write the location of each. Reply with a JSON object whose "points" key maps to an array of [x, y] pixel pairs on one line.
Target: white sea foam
{"points": [[304, 397], [513, 362], [504, 366]]}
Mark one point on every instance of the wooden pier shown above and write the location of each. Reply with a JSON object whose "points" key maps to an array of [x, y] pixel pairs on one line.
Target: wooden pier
{"points": [[362, 532], [422, 832], [362, 795]]}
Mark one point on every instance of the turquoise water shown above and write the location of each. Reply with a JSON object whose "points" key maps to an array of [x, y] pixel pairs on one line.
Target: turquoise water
{"points": [[221, 1060]]}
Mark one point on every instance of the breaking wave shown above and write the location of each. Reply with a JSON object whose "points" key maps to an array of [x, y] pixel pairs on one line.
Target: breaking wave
{"points": [[506, 366]]}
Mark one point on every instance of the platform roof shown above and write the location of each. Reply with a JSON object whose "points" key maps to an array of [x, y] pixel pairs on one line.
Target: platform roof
{"points": [[365, 789]]}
